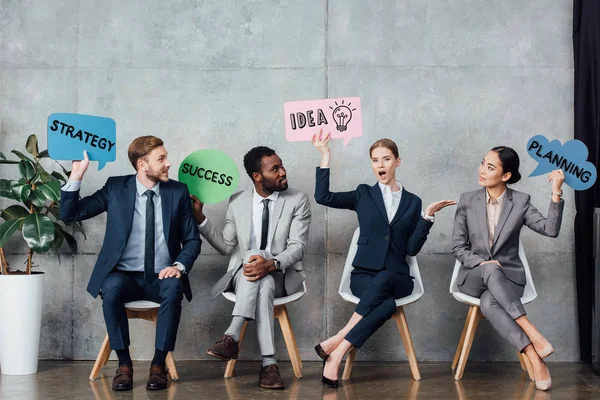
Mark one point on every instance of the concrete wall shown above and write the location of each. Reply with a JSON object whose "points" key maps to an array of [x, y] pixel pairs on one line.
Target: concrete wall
{"points": [[447, 80]]}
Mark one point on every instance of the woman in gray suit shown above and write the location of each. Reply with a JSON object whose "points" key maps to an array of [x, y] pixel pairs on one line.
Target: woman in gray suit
{"points": [[487, 225]]}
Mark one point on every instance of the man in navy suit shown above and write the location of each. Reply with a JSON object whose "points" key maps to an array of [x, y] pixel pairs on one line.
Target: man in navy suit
{"points": [[150, 245]]}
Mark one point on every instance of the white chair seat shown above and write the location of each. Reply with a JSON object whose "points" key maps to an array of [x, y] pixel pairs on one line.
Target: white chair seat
{"points": [[346, 293], [141, 305], [529, 294], [279, 301]]}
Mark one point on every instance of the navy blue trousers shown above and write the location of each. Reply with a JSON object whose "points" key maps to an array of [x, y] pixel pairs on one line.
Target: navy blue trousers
{"points": [[121, 287], [378, 291]]}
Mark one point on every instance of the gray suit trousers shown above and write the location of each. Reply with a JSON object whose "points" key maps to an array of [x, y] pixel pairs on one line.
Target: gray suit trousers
{"points": [[254, 300], [500, 301]]}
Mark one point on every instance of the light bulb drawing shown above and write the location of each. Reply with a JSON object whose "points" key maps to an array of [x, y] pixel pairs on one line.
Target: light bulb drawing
{"points": [[342, 114]]}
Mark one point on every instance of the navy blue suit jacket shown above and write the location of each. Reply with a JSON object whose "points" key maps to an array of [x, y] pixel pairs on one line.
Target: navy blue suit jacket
{"points": [[117, 198], [380, 244]]}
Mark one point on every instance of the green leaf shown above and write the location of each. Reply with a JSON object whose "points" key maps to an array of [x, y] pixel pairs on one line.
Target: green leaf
{"points": [[54, 210], [67, 173], [56, 253], [21, 155], [44, 154], [21, 191], [6, 189], [37, 198], [59, 238], [14, 212], [71, 242], [32, 145], [8, 162], [51, 190], [8, 228], [77, 227], [27, 170], [38, 232], [59, 176]]}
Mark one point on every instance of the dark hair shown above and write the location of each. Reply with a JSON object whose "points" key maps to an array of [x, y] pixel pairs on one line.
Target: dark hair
{"points": [[510, 162], [253, 159], [386, 143], [141, 147]]}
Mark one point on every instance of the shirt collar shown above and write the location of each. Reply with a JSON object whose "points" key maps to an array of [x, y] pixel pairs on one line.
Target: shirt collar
{"points": [[385, 189], [257, 198], [499, 199], [141, 189]]}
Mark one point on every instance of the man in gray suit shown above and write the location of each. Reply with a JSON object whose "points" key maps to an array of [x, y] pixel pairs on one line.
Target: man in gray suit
{"points": [[266, 234]]}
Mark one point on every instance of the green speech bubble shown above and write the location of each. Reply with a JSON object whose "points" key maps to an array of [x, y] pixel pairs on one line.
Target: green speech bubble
{"points": [[210, 175]]}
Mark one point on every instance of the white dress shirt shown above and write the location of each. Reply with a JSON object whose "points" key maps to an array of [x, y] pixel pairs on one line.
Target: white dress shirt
{"points": [[391, 200]]}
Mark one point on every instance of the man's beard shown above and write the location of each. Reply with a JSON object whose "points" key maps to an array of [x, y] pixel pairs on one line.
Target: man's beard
{"points": [[274, 185], [156, 176]]}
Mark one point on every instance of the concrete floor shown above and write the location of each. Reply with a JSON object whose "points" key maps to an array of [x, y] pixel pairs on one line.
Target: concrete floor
{"points": [[203, 380]]}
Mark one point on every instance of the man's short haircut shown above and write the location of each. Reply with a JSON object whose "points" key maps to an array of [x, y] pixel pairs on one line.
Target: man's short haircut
{"points": [[141, 147], [253, 159]]}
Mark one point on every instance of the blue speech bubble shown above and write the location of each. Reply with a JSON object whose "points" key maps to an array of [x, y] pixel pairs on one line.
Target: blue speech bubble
{"points": [[70, 134], [580, 174]]}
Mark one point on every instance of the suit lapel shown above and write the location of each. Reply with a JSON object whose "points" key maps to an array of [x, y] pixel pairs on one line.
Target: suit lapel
{"points": [[377, 197], [276, 214], [405, 201], [504, 213], [129, 201], [166, 200], [481, 212]]}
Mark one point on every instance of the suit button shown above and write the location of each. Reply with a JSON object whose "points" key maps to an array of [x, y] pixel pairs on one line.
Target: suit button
{"points": [[387, 238]]}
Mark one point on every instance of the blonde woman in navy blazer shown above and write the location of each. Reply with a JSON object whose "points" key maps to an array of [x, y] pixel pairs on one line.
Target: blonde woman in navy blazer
{"points": [[392, 226]]}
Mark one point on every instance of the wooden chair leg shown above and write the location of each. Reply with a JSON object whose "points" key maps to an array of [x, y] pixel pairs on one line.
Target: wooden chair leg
{"points": [[528, 366], [400, 318], [152, 315], [288, 335], [521, 361], [473, 320], [461, 342], [349, 363], [102, 358], [231, 363]]}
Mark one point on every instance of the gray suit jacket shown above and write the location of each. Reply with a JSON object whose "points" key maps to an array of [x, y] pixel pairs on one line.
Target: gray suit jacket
{"points": [[288, 234], [470, 243]]}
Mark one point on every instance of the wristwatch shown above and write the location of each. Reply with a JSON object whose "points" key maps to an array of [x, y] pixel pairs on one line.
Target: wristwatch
{"points": [[559, 193], [277, 265]]}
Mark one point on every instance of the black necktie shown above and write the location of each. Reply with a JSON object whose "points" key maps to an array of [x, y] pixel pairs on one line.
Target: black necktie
{"points": [[265, 224], [149, 246]]}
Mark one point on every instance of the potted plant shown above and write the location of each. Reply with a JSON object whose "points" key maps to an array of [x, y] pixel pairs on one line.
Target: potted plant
{"points": [[36, 216]]}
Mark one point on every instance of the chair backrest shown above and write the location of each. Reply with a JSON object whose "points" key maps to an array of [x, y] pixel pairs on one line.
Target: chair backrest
{"points": [[529, 293], [345, 291], [278, 300]]}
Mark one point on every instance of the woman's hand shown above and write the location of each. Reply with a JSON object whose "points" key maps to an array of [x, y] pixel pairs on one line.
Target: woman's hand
{"points": [[320, 144], [557, 177], [437, 206]]}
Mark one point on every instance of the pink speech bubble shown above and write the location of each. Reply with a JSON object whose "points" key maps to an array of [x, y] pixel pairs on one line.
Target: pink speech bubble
{"points": [[342, 117]]}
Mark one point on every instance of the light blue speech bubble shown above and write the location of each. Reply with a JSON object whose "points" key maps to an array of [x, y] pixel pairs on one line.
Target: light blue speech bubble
{"points": [[580, 174], [70, 134]]}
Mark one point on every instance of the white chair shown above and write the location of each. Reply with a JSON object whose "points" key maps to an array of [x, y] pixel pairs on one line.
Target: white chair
{"points": [[399, 316], [281, 314], [474, 315], [141, 309]]}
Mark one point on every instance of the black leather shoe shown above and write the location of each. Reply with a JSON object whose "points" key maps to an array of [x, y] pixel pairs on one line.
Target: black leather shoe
{"points": [[321, 353], [329, 382]]}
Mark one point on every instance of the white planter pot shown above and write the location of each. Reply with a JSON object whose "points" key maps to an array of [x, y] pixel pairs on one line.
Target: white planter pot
{"points": [[20, 322]]}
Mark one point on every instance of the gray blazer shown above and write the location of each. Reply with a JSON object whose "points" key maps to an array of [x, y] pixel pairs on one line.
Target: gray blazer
{"points": [[470, 243], [288, 234]]}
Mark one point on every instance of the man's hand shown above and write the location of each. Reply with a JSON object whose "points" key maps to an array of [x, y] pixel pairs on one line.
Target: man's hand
{"points": [[197, 208], [78, 168], [492, 262], [170, 272], [257, 268]]}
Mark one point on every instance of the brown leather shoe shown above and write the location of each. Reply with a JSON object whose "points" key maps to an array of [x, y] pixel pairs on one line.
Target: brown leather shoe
{"points": [[158, 378], [270, 378], [123, 379], [225, 349]]}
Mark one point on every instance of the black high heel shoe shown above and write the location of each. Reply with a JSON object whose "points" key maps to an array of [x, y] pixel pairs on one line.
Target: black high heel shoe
{"points": [[321, 353], [329, 382]]}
